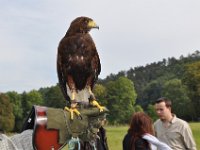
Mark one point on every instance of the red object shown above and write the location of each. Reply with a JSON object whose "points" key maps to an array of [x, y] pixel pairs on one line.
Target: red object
{"points": [[43, 138]]}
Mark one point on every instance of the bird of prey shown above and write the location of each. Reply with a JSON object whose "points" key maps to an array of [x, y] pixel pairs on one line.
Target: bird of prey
{"points": [[78, 64]]}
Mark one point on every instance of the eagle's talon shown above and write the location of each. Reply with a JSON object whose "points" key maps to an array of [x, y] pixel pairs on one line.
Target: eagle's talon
{"points": [[101, 108], [80, 117], [72, 111], [66, 108], [95, 103]]}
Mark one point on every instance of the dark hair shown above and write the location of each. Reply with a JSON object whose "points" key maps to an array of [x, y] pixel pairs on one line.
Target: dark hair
{"points": [[140, 124], [167, 101]]}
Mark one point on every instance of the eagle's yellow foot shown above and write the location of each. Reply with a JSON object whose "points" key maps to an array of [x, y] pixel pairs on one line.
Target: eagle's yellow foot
{"points": [[72, 111], [95, 103]]}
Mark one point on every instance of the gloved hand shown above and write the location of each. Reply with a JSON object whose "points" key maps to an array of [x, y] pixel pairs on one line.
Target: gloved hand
{"points": [[86, 128]]}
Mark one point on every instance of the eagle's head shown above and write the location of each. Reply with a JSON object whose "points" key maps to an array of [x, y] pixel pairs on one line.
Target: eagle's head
{"points": [[82, 25]]}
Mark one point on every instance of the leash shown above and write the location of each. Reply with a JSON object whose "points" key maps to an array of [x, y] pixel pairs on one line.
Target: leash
{"points": [[72, 143]]}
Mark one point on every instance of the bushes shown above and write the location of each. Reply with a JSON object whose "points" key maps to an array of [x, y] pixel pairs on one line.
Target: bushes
{"points": [[7, 119]]}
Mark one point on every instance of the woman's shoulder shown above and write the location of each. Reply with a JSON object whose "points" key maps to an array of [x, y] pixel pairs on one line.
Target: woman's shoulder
{"points": [[126, 142], [127, 137], [141, 141], [142, 144]]}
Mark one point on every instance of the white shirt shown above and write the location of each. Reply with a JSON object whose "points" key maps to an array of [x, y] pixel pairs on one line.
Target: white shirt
{"points": [[155, 143]]}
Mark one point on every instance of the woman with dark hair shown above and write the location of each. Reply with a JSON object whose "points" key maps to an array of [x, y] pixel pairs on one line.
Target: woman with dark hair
{"points": [[140, 134]]}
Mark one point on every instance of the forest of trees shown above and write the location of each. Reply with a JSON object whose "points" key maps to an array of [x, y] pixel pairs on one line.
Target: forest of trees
{"points": [[123, 94]]}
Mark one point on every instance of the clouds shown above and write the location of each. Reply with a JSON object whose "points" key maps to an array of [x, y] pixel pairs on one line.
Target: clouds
{"points": [[132, 33]]}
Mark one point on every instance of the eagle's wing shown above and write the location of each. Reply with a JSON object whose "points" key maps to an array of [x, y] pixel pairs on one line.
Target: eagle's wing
{"points": [[61, 76], [97, 67], [94, 59]]}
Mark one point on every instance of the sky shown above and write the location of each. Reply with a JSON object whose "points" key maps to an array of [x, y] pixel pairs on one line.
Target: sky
{"points": [[132, 33]]}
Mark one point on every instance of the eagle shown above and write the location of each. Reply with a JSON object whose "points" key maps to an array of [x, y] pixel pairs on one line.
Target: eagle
{"points": [[78, 65]]}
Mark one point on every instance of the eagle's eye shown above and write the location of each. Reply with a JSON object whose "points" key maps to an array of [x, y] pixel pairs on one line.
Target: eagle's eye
{"points": [[85, 21]]}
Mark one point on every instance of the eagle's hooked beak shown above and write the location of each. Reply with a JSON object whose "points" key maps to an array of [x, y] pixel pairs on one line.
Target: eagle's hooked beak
{"points": [[92, 24]]}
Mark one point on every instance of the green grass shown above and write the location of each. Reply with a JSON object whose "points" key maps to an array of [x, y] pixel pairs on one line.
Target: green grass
{"points": [[196, 133], [115, 135]]}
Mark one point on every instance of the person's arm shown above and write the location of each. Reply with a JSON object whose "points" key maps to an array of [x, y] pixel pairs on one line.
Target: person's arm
{"points": [[188, 138], [153, 140]]}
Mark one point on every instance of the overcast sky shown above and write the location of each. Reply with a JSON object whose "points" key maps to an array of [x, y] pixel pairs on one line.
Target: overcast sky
{"points": [[132, 33]]}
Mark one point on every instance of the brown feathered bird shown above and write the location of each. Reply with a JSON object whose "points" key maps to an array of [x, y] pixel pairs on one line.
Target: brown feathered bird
{"points": [[78, 64]]}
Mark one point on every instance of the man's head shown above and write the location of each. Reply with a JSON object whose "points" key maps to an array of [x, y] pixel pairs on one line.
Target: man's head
{"points": [[163, 108]]}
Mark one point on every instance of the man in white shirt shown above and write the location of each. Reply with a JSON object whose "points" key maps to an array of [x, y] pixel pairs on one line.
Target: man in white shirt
{"points": [[171, 130]]}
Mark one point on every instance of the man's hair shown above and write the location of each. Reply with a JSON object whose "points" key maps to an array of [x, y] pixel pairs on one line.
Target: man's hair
{"points": [[167, 101]]}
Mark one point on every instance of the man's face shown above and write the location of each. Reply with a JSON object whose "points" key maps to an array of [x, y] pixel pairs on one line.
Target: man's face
{"points": [[162, 111]]}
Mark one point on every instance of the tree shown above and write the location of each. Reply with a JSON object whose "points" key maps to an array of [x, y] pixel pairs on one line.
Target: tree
{"points": [[29, 99], [7, 119], [15, 99], [152, 112], [151, 92], [177, 92], [53, 97], [138, 108], [121, 98], [191, 79], [100, 94]]}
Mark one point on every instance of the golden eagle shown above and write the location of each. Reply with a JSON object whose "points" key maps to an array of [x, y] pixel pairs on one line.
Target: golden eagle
{"points": [[78, 64]]}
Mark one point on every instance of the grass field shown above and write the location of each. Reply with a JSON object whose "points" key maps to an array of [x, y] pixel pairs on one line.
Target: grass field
{"points": [[196, 133], [115, 135]]}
